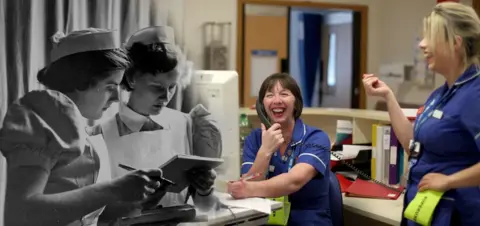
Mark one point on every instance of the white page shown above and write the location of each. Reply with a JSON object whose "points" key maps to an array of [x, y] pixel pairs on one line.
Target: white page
{"points": [[349, 152], [258, 204]]}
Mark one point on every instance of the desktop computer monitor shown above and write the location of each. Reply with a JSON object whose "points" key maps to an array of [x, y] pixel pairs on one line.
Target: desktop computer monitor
{"points": [[217, 91]]}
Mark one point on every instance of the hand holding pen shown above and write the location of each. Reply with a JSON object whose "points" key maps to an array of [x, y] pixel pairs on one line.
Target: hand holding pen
{"points": [[144, 187], [250, 177], [161, 178], [135, 186], [242, 188]]}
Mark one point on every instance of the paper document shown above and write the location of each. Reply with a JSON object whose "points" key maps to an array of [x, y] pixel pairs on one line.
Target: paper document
{"points": [[349, 152], [258, 204]]}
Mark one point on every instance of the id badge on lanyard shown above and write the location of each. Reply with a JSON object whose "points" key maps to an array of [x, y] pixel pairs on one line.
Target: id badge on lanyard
{"points": [[280, 217], [433, 109], [290, 158]]}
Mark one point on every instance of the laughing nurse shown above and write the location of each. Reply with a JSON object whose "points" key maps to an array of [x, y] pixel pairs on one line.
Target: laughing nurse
{"points": [[446, 135], [283, 153]]}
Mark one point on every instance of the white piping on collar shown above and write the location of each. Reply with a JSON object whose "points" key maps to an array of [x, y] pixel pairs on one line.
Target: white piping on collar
{"points": [[467, 80], [303, 136]]}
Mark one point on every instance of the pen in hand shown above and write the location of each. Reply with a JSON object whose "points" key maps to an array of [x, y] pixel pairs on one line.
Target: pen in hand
{"points": [[249, 177], [162, 179]]}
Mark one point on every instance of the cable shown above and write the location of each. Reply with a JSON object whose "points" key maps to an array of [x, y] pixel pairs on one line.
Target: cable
{"points": [[354, 168], [220, 205], [231, 211]]}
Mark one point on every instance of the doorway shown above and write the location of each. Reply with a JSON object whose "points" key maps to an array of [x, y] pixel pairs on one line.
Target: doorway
{"points": [[322, 45]]}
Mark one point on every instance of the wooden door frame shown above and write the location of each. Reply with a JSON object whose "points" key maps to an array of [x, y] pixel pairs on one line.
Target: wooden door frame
{"points": [[362, 9]]}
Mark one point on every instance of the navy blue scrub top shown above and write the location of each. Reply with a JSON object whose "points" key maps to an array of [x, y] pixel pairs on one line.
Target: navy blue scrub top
{"points": [[450, 143], [309, 205]]}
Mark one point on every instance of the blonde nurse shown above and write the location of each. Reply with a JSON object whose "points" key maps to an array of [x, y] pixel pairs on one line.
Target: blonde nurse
{"points": [[145, 133], [57, 175]]}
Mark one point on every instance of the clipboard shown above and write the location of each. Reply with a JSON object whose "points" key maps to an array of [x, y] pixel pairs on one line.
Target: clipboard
{"points": [[177, 167]]}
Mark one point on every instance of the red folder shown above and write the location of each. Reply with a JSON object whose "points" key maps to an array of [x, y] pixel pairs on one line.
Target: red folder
{"points": [[369, 189], [344, 182]]}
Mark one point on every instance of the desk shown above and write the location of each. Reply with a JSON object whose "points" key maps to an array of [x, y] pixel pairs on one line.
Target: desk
{"points": [[240, 216], [385, 211]]}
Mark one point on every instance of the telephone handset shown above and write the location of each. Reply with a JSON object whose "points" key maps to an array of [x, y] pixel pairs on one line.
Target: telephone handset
{"points": [[262, 114]]}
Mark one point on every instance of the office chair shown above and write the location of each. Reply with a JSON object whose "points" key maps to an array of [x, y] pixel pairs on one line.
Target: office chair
{"points": [[336, 200], [3, 187]]}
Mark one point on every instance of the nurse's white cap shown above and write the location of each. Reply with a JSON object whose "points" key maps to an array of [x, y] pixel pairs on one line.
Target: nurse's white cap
{"points": [[152, 35], [84, 40]]}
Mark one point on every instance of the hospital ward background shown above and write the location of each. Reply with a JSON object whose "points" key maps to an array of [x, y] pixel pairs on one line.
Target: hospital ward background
{"points": [[227, 48]]}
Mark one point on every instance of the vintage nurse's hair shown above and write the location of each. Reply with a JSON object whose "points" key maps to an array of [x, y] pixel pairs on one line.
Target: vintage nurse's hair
{"points": [[152, 50], [81, 58], [451, 19]]}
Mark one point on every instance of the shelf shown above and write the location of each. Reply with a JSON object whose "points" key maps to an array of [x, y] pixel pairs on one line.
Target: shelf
{"points": [[340, 112]]}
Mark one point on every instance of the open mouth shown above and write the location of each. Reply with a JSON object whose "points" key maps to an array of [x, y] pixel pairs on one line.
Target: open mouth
{"points": [[278, 112], [427, 55]]}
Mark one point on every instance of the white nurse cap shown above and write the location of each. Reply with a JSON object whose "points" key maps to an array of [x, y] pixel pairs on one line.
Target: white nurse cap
{"points": [[84, 40], [152, 35]]}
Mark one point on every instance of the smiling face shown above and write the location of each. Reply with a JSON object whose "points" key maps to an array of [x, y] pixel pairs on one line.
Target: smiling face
{"points": [[438, 54], [443, 43], [93, 101], [279, 104], [151, 92]]}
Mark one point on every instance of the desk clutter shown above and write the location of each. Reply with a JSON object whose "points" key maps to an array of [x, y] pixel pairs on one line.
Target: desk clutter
{"points": [[172, 215], [228, 211], [373, 170]]}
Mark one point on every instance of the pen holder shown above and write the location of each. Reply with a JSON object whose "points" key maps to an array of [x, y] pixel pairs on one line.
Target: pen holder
{"points": [[422, 207], [280, 217]]}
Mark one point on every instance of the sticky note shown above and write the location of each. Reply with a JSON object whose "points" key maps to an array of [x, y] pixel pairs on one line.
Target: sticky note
{"points": [[422, 207]]}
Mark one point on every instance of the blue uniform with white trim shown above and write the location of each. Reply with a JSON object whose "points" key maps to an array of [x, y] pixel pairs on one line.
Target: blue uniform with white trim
{"points": [[309, 205], [448, 131]]}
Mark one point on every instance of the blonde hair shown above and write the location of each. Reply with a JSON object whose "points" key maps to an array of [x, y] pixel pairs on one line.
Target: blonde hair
{"points": [[451, 19]]}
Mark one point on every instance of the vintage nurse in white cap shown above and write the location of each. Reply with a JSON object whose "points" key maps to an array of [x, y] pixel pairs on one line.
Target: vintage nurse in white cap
{"points": [[145, 133], [57, 175]]}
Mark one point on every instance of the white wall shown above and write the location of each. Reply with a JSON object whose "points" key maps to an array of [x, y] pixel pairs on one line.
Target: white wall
{"points": [[197, 12], [392, 27], [400, 25]]}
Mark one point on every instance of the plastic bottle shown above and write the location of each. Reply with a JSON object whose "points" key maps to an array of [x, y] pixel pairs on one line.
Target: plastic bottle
{"points": [[245, 129]]}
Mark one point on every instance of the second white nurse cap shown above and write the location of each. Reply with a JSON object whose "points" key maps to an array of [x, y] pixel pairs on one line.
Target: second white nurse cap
{"points": [[154, 34]]}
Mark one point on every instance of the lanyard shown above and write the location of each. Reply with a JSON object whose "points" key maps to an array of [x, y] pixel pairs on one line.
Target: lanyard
{"points": [[291, 153], [436, 104], [291, 158]]}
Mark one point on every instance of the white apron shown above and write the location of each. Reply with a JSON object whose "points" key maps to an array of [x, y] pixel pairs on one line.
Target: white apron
{"points": [[104, 174], [143, 150]]}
